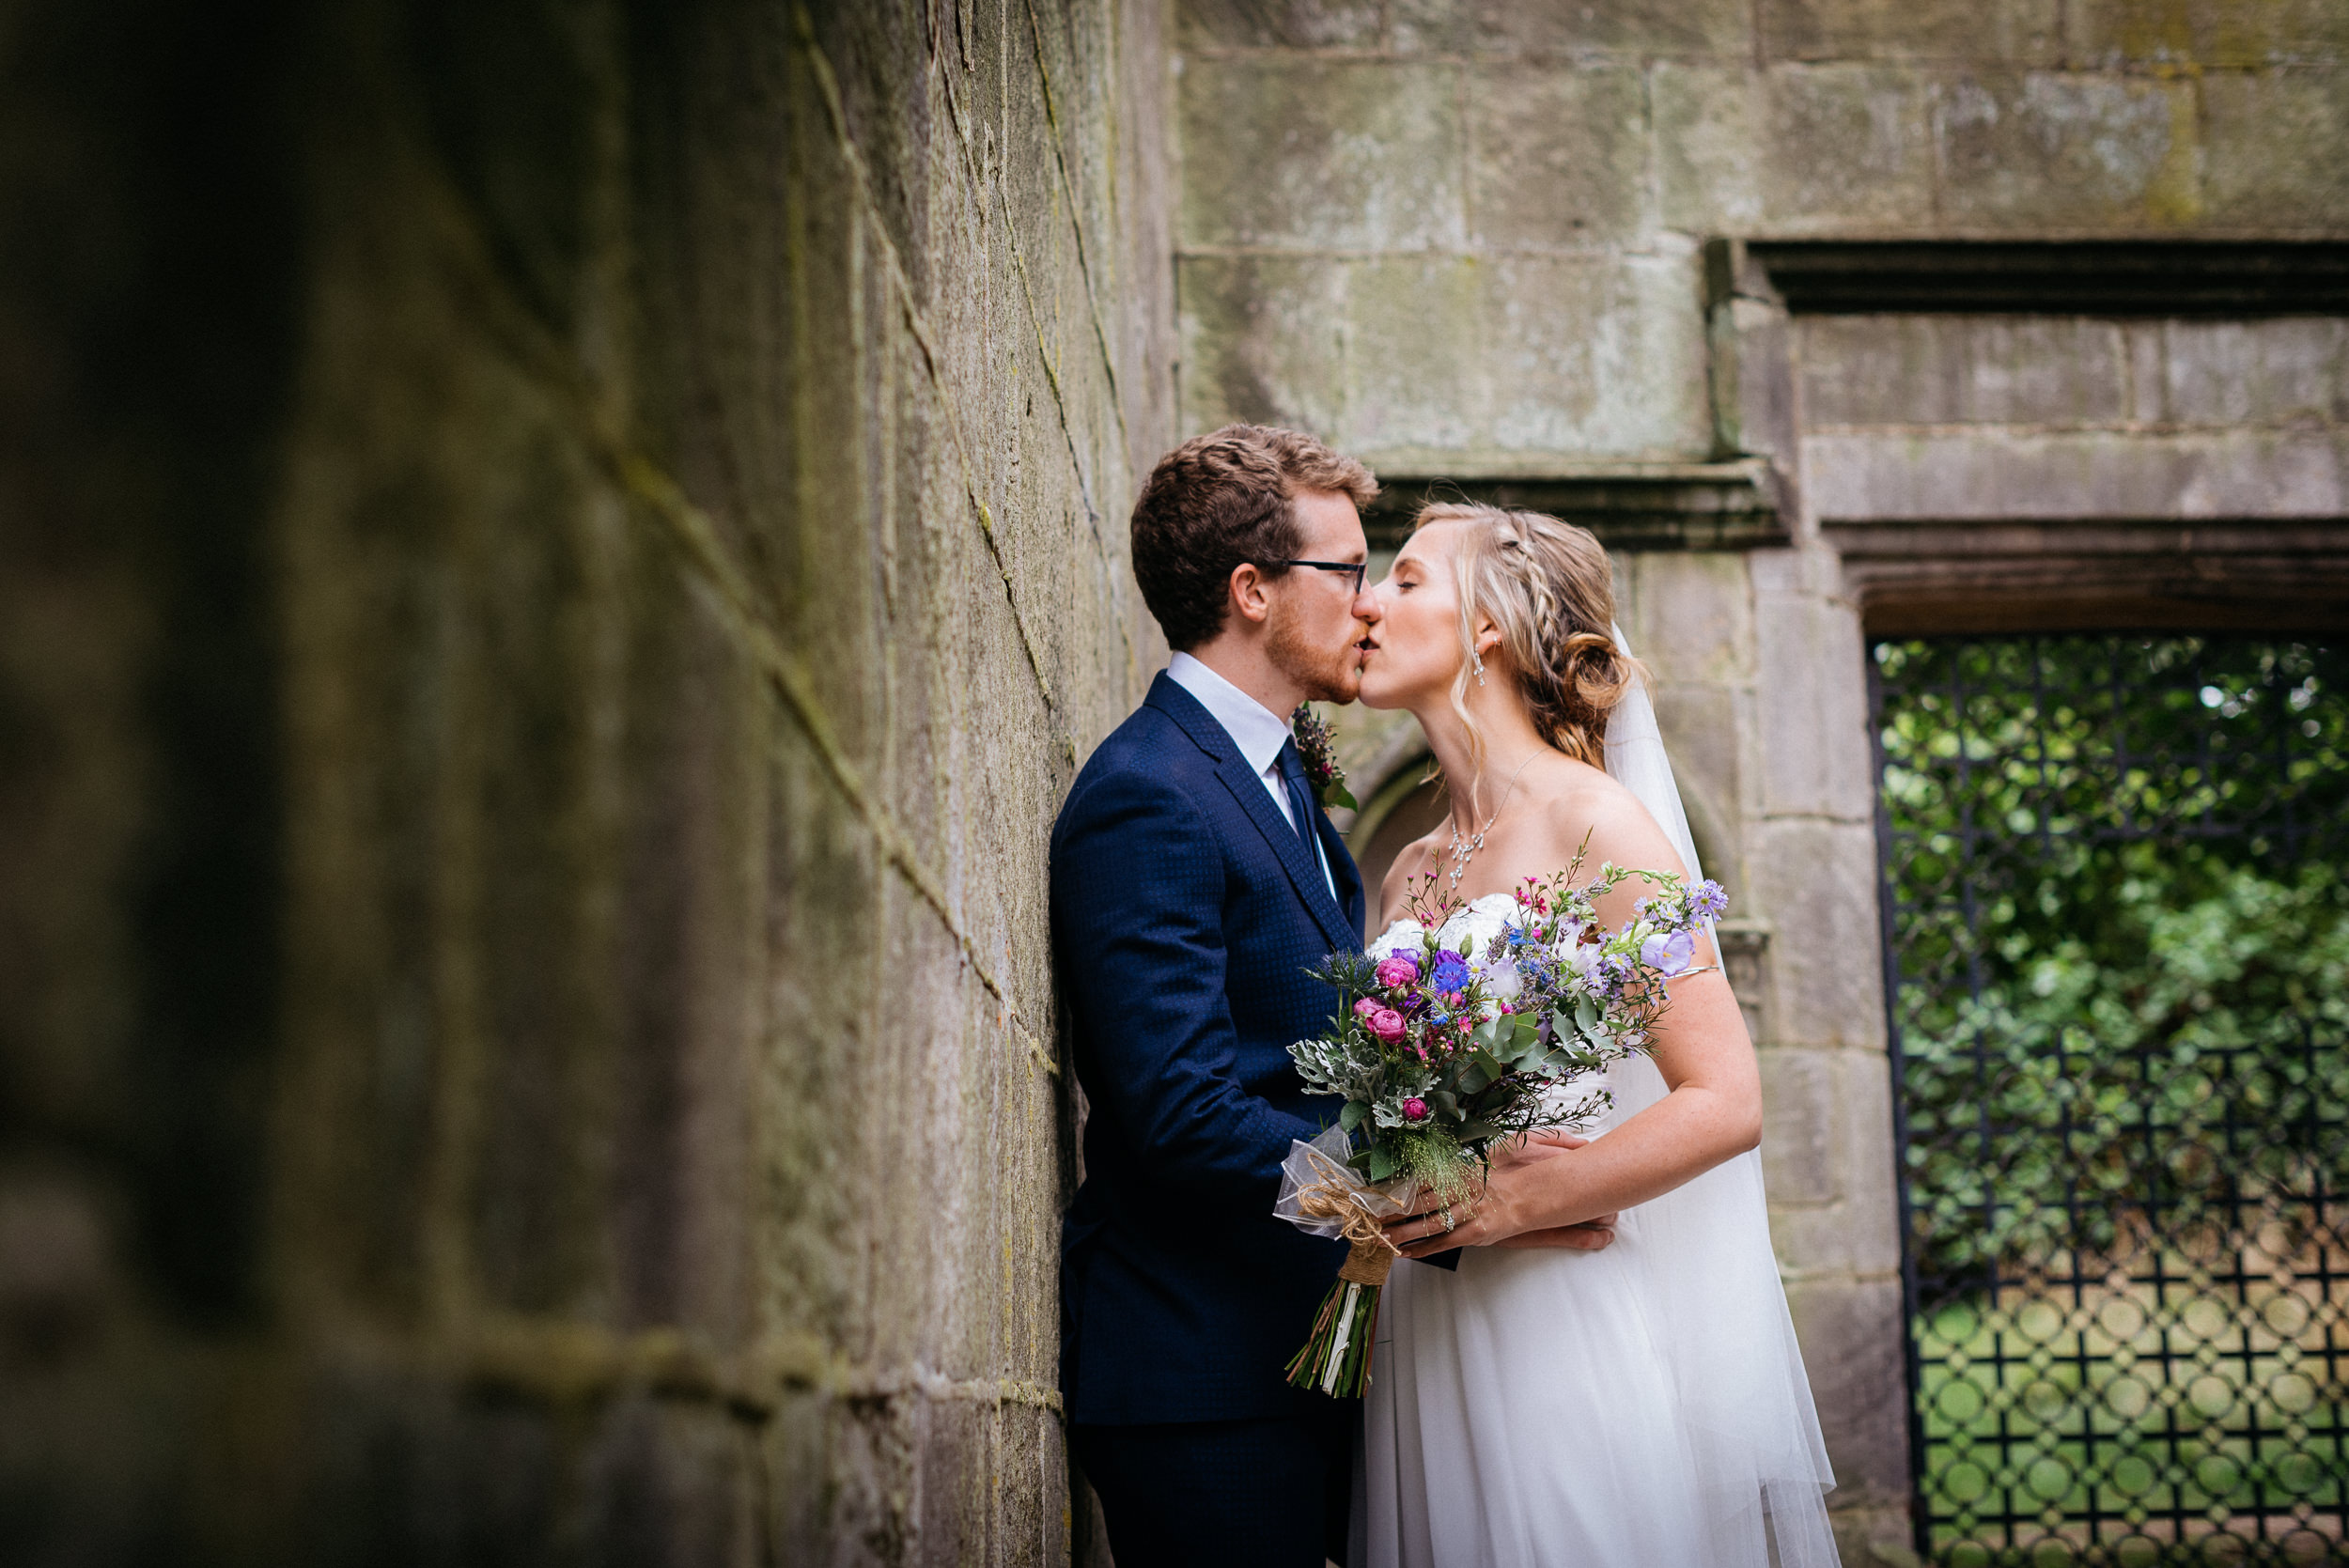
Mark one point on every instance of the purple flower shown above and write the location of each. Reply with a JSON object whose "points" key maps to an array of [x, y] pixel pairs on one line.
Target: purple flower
{"points": [[1415, 1110], [1397, 971], [1709, 898], [1669, 956]]}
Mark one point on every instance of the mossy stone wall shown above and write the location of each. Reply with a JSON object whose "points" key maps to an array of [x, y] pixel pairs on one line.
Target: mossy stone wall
{"points": [[556, 562]]}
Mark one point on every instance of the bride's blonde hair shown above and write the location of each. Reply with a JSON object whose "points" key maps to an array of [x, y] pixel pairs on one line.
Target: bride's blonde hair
{"points": [[1546, 587]]}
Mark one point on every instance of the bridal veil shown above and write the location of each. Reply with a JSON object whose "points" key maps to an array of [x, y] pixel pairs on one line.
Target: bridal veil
{"points": [[1705, 1247]]}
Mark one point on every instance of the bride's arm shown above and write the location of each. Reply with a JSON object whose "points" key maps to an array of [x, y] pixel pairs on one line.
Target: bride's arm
{"points": [[1712, 1113]]}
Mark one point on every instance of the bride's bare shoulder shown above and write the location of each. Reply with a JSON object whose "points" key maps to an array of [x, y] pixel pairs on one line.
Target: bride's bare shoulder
{"points": [[1582, 800]]}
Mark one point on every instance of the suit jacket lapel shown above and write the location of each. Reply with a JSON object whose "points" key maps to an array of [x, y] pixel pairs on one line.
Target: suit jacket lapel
{"points": [[1352, 896], [1256, 802], [1296, 858]]}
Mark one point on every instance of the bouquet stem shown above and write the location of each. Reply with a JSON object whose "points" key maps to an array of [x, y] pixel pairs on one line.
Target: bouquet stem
{"points": [[1336, 1358]]}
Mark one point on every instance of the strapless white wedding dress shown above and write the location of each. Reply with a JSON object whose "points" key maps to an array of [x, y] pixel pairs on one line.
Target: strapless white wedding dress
{"points": [[1546, 1408]]}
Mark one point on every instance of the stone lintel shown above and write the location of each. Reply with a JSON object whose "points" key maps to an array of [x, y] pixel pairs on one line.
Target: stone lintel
{"points": [[1728, 505], [2085, 277], [1921, 578]]}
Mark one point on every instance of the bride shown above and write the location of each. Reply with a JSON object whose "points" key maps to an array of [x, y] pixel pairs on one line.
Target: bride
{"points": [[1643, 1406]]}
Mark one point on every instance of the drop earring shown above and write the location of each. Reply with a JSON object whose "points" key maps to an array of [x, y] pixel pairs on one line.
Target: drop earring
{"points": [[1480, 665]]}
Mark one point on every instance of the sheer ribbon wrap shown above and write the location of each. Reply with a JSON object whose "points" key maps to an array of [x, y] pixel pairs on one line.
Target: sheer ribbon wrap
{"points": [[1321, 1195], [1705, 1250]]}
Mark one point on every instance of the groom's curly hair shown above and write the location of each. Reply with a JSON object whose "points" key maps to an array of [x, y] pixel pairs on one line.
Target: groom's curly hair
{"points": [[1221, 499]]}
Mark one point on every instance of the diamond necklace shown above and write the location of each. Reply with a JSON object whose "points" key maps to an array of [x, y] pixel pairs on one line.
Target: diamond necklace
{"points": [[1460, 857]]}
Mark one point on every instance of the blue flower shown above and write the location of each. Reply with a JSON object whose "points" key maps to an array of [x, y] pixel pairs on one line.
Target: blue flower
{"points": [[1451, 972]]}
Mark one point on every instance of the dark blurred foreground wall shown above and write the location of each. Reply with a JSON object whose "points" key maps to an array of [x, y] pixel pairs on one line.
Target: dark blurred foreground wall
{"points": [[555, 562]]}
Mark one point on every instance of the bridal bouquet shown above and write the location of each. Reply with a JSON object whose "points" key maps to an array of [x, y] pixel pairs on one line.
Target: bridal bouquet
{"points": [[1441, 1050]]}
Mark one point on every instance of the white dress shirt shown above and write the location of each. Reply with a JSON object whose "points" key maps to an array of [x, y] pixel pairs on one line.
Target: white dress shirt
{"points": [[1256, 730]]}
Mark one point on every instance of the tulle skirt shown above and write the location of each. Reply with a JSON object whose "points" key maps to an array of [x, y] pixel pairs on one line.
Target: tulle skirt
{"points": [[1525, 1412], [1522, 1414]]}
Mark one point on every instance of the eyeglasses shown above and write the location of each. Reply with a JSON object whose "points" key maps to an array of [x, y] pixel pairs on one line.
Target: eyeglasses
{"points": [[1355, 569]]}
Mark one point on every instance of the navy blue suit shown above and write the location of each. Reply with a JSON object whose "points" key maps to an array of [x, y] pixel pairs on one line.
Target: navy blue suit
{"points": [[1184, 912]]}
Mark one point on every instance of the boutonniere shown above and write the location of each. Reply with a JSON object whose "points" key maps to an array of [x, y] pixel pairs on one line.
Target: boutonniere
{"points": [[1320, 759]]}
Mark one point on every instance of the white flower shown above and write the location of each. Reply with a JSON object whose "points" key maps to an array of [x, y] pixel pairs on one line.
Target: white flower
{"points": [[1584, 956], [1569, 937], [1502, 981], [1484, 920], [1404, 936]]}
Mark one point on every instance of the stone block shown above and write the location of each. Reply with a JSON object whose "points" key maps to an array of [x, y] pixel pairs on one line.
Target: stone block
{"points": [[1415, 358], [2233, 34], [1719, 27], [1320, 154], [1852, 1336], [1816, 883], [1702, 729], [664, 1484], [2062, 150], [1799, 1119], [1277, 23], [1263, 340], [1524, 353], [2272, 161], [2292, 371], [1890, 370], [1752, 380], [1838, 1142], [1557, 156], [1596, 361], [2019, 32], [1867, 477], [1692, 617], [1792, 151], [1812, 706]]}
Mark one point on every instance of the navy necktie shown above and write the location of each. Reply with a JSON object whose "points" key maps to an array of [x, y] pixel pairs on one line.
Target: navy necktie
{"points": [[1300, 796]]}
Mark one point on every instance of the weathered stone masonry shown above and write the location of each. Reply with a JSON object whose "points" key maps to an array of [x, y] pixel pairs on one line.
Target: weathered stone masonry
{"points": [[558, 561], [1522, 248]]}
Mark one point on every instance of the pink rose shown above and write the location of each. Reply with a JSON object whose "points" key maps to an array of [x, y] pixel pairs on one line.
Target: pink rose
{"points": [[1399, 970], [1415, 1110], [1365, 1008], [1387, 1024]]}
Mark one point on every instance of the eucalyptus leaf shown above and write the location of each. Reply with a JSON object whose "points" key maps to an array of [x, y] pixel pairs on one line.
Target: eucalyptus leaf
{"points": [[1351, 1117]]}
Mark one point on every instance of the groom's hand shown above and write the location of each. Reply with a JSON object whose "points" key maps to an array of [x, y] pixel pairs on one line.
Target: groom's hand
{"points": [[1486, 1218], [1588, 1236]]}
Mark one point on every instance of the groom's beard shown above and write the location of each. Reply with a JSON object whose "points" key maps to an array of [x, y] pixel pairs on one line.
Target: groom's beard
{"points": [[1327, 674]]}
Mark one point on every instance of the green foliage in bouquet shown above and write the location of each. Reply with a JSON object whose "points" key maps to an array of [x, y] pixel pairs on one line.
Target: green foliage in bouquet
{"points": [[1438, 1051]]}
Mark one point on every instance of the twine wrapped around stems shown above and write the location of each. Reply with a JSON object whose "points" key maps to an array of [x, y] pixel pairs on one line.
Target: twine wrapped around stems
{"points": [[1373, 1255], [1320, 1194]]}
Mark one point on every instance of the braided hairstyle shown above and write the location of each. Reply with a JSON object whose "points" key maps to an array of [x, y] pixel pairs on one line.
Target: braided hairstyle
{"points": [[1546, 587]]}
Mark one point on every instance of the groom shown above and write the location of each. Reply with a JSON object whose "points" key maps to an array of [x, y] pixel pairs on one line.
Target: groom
{"points": [[1194, 880]]}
